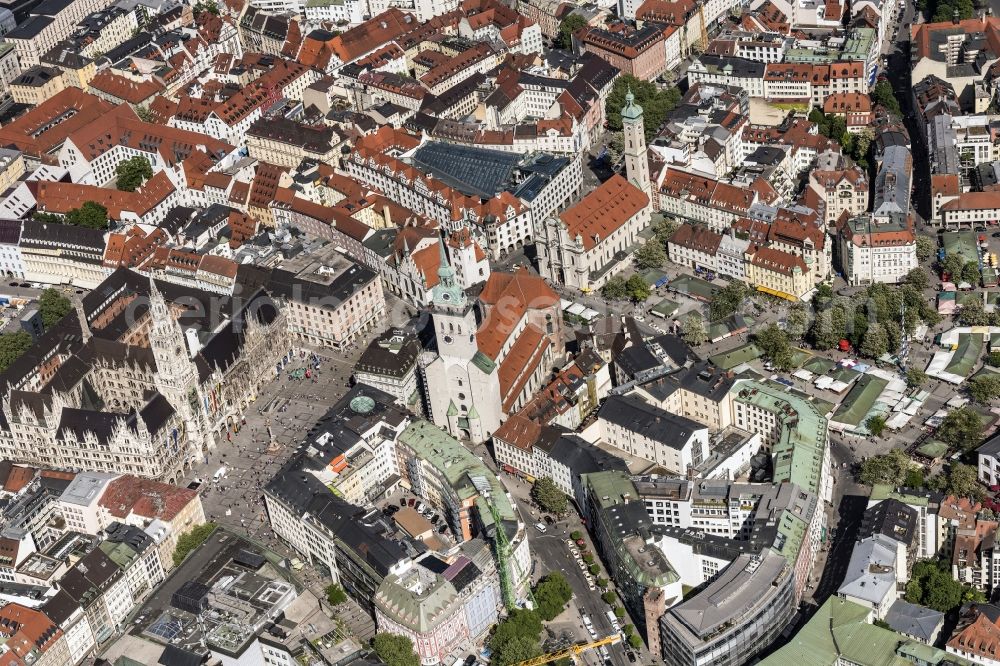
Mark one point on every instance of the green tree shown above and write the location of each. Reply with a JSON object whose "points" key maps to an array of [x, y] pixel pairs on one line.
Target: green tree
{"points": [[952, 264], [774, 343], [637, 288], [655, 103], [547, 495], [12, 345], [962, 482], [962, 428], [614, 289], [876, 342], [90, 214], [132, 173], [395, 650], [144, 114], [53, 306], [797, 321], [728, 300], [875, 425], [206, 6], [48, 218], [576, 535], [663, 229], [917, 278], [609, 598], [551, 595], [889, 468], [619, 612], [926, 246], [993, 359], [335, 594], [693, 329], [985, 388], [883, 94], [914, 478], [915, 377], [971, 313], [515, 639], [190, 540], [970, 273], [650, 255], [838, 128], [635, 640], [567, 28], [515, 651]]}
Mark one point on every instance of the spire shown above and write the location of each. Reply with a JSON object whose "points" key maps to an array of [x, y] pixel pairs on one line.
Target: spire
{"points": [[445, 271], [447, 292], [631, 110]]}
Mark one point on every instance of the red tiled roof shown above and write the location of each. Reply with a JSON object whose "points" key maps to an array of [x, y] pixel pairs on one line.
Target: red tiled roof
{"points": [[127, 90], [371, 34], [604, 210], [60, 198], [133, 495], [43, 129]]}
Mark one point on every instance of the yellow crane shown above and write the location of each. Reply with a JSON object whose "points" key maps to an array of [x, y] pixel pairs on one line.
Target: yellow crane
{"points": [[571, 651]]}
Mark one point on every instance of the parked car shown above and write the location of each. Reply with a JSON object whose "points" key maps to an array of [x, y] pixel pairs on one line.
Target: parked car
{"points": [[402, 501], [444, 526], [548, 520], [410, 502]]}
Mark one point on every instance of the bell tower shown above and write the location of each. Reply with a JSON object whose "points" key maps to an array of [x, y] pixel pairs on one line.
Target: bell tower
{"points": [[633, 128], [454, 318], [176, 376]]}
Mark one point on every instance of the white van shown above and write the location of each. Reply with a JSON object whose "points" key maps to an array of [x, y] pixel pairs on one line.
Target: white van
{"points": [[219, 474], [540, 527]]}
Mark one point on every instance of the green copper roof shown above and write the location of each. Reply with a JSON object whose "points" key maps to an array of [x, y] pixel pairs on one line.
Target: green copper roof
{"points": [[446, 292], [484, 363], [632, 111], [839, 633], [801, 447], [458, 466]]}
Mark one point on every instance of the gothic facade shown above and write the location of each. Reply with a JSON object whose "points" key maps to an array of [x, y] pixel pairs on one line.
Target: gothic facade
{"points": [[138, 380]]}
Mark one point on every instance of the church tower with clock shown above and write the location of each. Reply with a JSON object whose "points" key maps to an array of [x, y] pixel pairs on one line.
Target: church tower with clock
{"points": [[176, 375], [463, 383]]}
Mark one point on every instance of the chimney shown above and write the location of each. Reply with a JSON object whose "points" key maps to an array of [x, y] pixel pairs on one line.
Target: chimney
{"points": [[388, 217]]}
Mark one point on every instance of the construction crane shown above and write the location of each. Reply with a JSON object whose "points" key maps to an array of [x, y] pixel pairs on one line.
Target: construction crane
{"points": [[573, 651], [505, 560]]}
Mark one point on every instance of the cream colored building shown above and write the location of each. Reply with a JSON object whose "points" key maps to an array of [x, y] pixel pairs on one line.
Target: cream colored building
{"points": [[839, 192], [36, 85], [779, 273], [286, 143], [594, 239]]}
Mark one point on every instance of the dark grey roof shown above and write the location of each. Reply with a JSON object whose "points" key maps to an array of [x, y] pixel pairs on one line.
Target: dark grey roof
{"points": [[657, 424], [43, 234], [10, 232], [635, 359], [891, 518], [918, 621], [304, 493], [582, 457], [130, 535], [991, 447], [702, 378], [394, 353], [30, 28], [473, 171]]}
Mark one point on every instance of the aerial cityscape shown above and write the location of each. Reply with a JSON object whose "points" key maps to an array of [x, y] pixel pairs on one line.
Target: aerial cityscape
{"points": [[499, 332]]}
